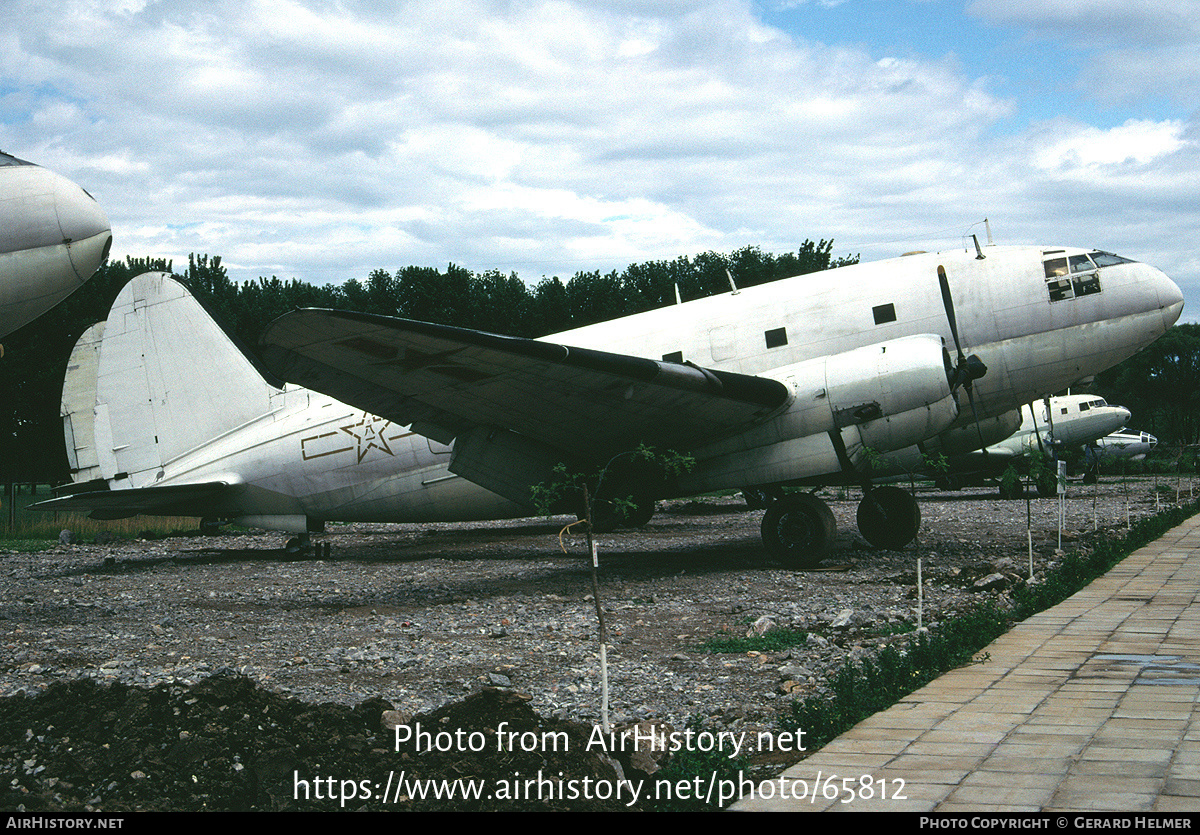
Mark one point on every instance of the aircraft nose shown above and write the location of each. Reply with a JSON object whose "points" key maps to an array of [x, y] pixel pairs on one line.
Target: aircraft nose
{"points": [[1125, 414], [84, 226], [1170, 297]]}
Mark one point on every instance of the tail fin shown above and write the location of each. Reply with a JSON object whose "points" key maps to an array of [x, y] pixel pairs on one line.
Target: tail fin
{"points": [[169, 379]]}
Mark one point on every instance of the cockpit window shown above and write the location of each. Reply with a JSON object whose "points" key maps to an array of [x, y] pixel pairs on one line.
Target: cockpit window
{"points": [[1076, 276], [1079, 263], [1056, 267], [1107, 259]]}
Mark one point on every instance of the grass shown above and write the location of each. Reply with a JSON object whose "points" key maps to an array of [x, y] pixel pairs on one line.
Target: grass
{"points": [[773, 641], [36, 530]]}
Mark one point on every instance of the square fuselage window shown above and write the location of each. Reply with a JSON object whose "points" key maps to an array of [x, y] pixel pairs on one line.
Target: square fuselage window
{"points": [[884, 313]]}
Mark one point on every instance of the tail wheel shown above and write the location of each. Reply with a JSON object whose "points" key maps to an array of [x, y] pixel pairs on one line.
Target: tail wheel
{"points": [[799, 530], [889, 518]]}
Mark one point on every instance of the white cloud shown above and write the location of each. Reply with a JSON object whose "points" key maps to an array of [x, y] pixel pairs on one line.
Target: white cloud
{"points": [[324, 140], [1068, 147]]}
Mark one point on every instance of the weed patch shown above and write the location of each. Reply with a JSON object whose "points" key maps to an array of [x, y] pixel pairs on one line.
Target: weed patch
{"points": [[772, 641]]}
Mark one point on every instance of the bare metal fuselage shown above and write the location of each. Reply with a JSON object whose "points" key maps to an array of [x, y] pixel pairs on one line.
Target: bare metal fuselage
{"points": [[310, 456]]}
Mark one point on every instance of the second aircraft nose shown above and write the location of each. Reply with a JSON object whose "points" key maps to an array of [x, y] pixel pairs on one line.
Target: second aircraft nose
{"points": [[84, 226]]}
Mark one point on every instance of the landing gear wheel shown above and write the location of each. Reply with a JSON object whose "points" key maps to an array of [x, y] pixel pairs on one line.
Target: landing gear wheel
{"points": [[642, 512], [798, 530], [298, 544], [210, 526], [889, 518], [1012, 491], [605, 517]]}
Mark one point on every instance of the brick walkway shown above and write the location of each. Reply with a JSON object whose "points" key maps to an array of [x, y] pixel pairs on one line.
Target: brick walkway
{"points": [[1091, 705]]}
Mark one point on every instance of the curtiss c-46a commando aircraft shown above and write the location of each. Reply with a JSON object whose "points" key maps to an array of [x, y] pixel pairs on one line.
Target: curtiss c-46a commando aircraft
{"points": [[53, 236], [796, 382], [790, 383]]}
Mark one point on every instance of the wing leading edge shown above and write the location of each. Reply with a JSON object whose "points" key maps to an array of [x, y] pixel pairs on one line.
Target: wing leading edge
{"points": [[445, 380]]}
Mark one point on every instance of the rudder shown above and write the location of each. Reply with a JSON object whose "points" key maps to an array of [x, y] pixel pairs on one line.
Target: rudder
{"points": [[169, 379]]}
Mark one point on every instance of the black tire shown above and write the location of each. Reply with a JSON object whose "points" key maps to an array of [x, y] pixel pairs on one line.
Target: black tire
{"points": [[1015, 491], [799, 530], [889, 518], [605, 517], [643, 512]]}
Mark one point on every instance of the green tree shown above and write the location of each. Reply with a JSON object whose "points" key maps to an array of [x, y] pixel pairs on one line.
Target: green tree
{"points": [[1161, 385]]}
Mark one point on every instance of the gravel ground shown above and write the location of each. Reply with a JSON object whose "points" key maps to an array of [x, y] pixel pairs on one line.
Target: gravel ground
{"points": [[421, 616]]}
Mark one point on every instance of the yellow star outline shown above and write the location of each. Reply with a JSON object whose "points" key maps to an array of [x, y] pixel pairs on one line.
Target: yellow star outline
{"points": [[369, 434]]}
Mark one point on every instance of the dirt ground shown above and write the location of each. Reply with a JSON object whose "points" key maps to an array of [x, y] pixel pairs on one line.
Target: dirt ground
{"points": [[222, 673]]}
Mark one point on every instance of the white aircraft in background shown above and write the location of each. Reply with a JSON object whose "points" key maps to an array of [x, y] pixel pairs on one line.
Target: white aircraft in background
{"points": [[1047, 425], [795, 382], [1128, 443], [53, 236]]}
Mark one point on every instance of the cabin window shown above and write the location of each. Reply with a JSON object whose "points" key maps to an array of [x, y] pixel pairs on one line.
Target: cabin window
{"points": [[884, 313], [674, 356], [776, 338], [1083, 407]]}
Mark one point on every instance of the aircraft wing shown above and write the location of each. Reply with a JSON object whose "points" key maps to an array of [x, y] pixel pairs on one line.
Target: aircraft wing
{"points": [[167, 500], [445, 380]]}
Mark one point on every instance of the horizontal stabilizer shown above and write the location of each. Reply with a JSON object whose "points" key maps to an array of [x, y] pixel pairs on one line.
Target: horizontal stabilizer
{"points": [[165, 500]]}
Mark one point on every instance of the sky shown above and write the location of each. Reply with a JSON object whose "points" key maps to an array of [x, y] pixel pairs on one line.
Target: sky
{"points": [[324, 139]]}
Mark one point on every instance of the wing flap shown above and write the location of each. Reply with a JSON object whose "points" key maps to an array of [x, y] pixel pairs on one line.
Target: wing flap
{"points": [[571, 398]]}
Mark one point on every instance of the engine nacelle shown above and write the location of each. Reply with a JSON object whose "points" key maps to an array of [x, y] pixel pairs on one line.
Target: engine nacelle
{"points": [[884, 397]]}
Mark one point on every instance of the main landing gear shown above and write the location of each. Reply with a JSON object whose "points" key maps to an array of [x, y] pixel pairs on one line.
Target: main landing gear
{"points": [[303, 545], [798, 529]]}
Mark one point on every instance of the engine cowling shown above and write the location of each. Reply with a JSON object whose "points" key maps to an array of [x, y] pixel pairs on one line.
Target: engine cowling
{"points": [[881, 397]]}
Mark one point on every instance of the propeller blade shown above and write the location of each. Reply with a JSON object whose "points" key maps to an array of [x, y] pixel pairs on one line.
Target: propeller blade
{"points": [[948, 303], [978, 428]]}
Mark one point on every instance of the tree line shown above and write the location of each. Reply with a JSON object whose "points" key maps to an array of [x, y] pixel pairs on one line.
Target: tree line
{"points": [[35, 359]]}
